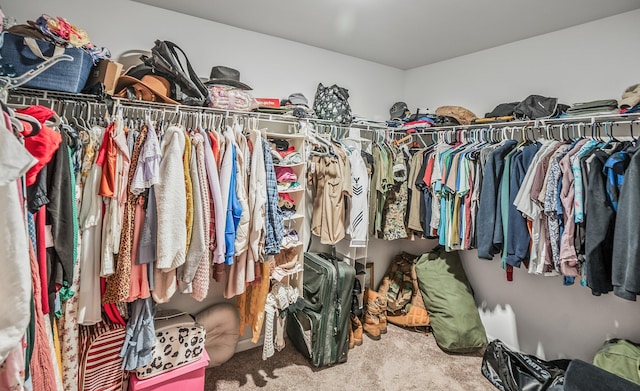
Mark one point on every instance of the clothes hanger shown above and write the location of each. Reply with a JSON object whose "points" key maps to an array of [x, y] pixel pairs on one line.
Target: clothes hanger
{"points": [[524, 134], [612, 141], [325, 147], [35, 124], [549, 133], [402, 140]]}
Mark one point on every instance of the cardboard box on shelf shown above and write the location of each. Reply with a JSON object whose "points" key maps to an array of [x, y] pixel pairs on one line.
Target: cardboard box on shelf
{"points": [[106, 72]]}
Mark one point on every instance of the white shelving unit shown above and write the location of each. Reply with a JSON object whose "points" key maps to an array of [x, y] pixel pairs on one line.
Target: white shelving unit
{"points": [[298, 220]]}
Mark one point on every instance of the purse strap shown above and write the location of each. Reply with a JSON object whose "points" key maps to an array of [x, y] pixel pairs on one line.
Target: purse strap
{"points": [[33, 45], [192, 74]]}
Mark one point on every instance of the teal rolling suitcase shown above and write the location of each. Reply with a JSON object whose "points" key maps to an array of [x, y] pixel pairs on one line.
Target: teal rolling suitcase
{"points": [[320, 331]]}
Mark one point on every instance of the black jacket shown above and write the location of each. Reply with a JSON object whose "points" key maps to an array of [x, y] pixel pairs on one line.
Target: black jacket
{"points": [[599, 225], [625, 273], [60, 216]]}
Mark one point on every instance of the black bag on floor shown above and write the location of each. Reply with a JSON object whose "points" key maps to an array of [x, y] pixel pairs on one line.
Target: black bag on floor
{"points": [[513, 371], [320, 331], [582, 376]]}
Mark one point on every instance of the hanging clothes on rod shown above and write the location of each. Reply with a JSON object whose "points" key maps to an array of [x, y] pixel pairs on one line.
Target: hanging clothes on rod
{"points": [[115, 161], [536, 189]]}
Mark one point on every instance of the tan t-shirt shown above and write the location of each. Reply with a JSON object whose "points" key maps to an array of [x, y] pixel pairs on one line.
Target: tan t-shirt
{"points": [[331, 177]]}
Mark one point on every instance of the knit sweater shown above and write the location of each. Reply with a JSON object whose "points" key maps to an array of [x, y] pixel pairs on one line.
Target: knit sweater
{"points": [[171, 209]]}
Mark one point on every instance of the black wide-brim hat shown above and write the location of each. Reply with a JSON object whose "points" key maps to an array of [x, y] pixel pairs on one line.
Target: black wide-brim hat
{"points": [[226, 76]]}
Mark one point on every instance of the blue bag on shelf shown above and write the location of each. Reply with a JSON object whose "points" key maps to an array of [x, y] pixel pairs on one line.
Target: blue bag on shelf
{"points": [[26, 53]]}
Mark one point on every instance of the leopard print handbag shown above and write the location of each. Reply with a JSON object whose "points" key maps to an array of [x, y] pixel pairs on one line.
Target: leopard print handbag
{"points": [[179, 341]]}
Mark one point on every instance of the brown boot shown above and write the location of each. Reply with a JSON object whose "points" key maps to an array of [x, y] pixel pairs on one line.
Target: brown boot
{"points": [[384, 286], [356, 328], [352, 342], [371, 324], [382, 303]]}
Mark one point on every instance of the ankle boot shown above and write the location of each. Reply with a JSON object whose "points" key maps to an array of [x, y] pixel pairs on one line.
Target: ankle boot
{"points": [[352, 342], [382, 303], [356, 327], [384, 286], [371, 325]]}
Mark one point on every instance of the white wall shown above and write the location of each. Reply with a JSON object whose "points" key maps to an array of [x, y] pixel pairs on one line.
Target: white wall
{"points": [[274, 67], [591, 61]]}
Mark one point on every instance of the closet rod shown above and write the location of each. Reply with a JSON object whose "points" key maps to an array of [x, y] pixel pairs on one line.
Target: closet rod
{"points": [[52, 95], [279, 118], [587, 120]]}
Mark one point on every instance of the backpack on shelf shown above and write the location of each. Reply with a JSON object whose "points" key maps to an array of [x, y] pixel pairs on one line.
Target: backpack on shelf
{"points": [[186, 86], [332, 103]]}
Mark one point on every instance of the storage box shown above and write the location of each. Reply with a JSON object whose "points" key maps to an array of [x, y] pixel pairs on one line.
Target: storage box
{"points": [[106, 72], [179, 341], [188, 377]]}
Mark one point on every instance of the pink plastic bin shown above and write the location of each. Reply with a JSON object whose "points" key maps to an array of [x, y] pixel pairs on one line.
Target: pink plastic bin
{"points": [[188, 377]]}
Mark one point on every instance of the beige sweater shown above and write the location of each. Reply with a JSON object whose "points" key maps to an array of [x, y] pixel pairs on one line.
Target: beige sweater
{"points": [[172, 211]]}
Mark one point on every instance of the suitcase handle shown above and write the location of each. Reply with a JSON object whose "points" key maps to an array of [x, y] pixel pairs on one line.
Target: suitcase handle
{"points": [[35, 49]]}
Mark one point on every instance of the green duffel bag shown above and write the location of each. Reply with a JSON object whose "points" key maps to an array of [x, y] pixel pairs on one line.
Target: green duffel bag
{"points": [[447, 295], [620, 357]]}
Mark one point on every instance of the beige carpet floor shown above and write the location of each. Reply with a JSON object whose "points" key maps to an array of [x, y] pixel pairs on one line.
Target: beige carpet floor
{"points": [[401, 360]]}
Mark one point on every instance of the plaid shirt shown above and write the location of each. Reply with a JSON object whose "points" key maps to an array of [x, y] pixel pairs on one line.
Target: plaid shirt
{"points": [[274, 221]]}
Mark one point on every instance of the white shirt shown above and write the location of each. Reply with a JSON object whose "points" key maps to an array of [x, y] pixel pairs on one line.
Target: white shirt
{"points": [[15, 279], [257, 202], [359, 213], [90, 219]]}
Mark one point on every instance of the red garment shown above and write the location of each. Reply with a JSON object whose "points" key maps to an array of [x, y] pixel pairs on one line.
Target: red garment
{"points": [[26, 128], [287, 151], [215, 147], [41, 241], [44, 144], [40, 113], [429, 170], [110, 310], [107, 160]]}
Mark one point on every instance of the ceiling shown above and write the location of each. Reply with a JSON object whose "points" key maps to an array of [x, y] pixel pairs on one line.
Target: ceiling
{"points": [[401, 33]]}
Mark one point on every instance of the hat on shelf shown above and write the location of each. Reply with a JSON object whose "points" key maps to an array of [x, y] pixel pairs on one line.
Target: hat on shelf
{"points": [[630, 97], [297, 98], [141, 83], [400, 111], [462, 115], [226, 76]]}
